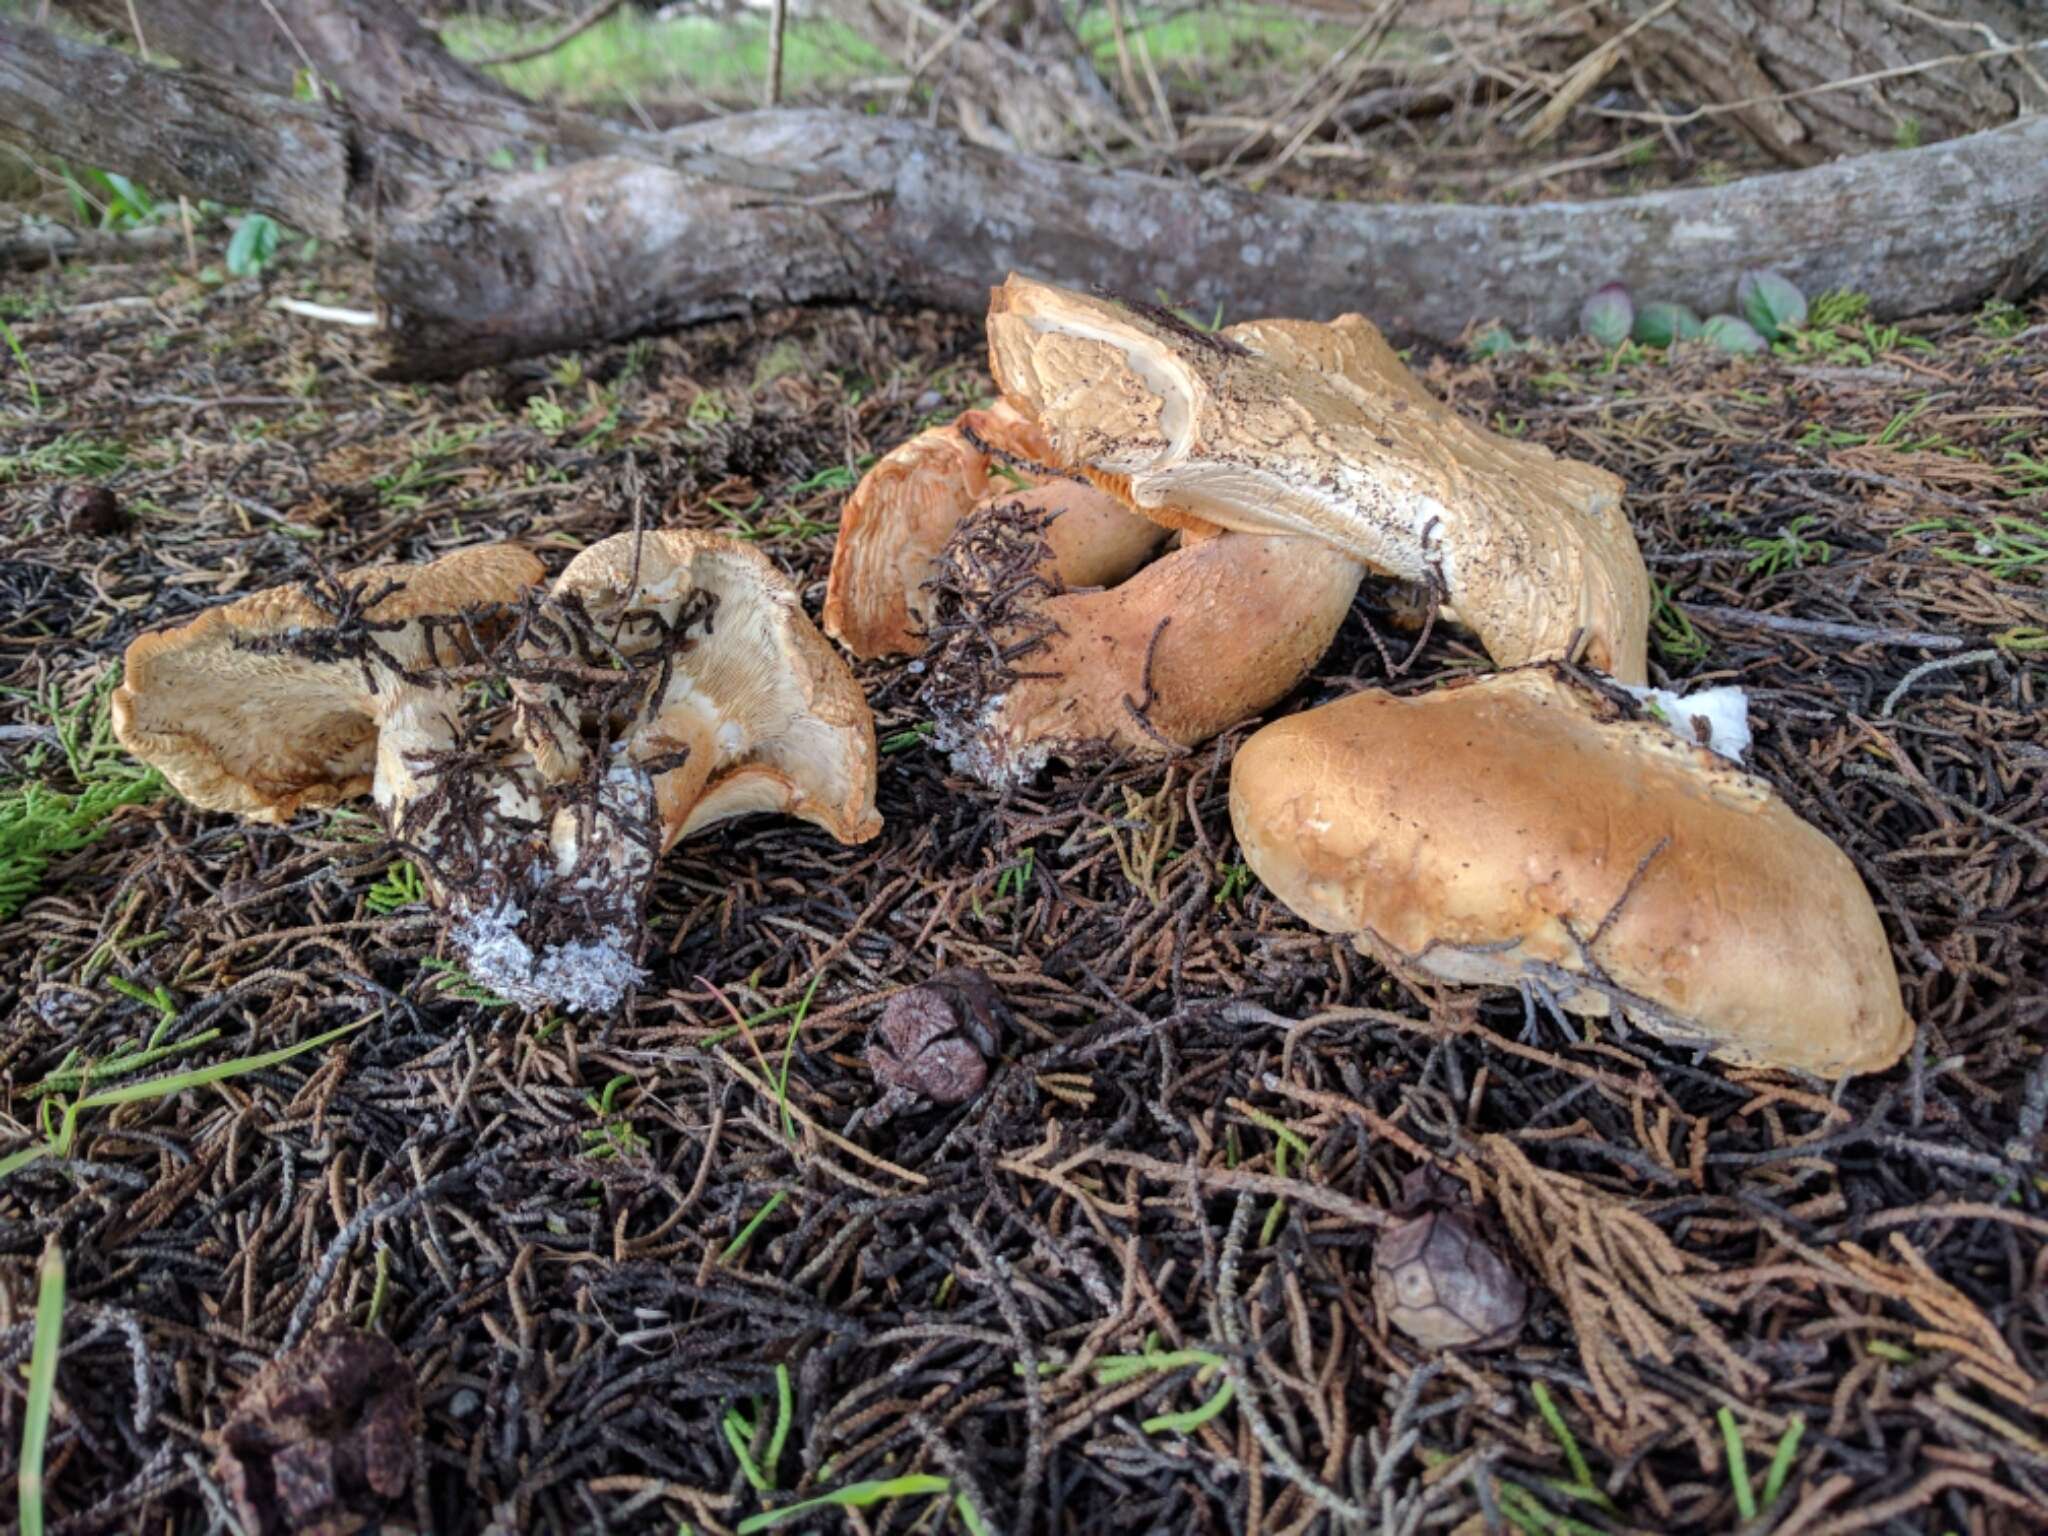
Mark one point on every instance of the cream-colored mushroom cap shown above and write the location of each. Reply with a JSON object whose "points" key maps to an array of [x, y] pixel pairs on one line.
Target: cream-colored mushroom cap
{"points": [[899, 517], [1520, 827], [1293, 428], [767, 713], [269, 732]]}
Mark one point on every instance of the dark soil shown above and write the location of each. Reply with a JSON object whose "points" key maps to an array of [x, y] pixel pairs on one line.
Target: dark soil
{"points": [[614, 1263]]}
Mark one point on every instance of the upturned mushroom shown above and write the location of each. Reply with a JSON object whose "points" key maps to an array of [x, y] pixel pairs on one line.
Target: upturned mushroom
{"points": [[305, 696], [898, 519], [670, 681], [1530, 829], [1288, 427], [1206, 636]]}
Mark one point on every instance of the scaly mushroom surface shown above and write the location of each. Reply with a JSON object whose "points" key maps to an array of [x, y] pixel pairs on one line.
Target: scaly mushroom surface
{"points": [[1526, 828], [1288, 427]]}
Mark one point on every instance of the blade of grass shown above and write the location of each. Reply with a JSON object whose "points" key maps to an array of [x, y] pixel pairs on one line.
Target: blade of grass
{"points": [[852, 1496], [1781, 1462], [1187, 1423], [1738, 1464], [200, 1077], [42, 1386], [788, 1046], [1582, 1475], [734, 1248], [785, 1409]]}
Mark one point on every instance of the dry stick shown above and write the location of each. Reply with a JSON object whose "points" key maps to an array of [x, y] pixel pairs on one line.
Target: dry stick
{"points": [[1826, 630], [1380, 21], [1716, 109], [1939, 664], [1588, 73], [778, 22], [733, 1065], [1300, 94], [576, 28]]}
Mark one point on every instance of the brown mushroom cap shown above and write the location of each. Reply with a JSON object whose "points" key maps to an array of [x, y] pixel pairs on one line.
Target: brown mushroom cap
{"points": [[1520, 826], [899, 517], [768, 714], [1291, 428], [268, 733], [1202, 638]]}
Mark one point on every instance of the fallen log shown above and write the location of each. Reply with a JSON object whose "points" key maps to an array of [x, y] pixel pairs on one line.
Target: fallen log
{"points": [[766, 209]]}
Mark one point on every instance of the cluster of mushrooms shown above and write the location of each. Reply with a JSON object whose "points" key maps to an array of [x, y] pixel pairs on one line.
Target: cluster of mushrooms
{"points": [[1152, 536]]}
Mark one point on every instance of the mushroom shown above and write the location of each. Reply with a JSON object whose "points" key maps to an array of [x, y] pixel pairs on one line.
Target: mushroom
{"points": [[1528, 829], [1288, 427], [1207, 635], [900, 516], [239, 716], [760, 711], [670, 681]]}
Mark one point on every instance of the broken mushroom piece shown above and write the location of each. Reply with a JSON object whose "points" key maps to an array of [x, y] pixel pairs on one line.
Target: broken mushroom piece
{"points": [[900, 516], [670, 682], [750, 711], [1527, 829], [240, 717], [1287, 427], [1204, 637]]}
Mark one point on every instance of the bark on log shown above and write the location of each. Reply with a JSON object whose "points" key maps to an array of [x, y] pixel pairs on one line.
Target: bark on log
{"points": [[1735, 50], [777, 208], [391, 74]]}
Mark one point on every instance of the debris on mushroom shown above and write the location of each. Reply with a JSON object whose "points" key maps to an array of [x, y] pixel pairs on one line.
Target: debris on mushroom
{"points": [[900, 516], [321, 1441], [536, 755], [670, 682], [282, 701], [932, 1040], [1529, 829], [1437, 1279], [1202, 638], [1287, 427]]}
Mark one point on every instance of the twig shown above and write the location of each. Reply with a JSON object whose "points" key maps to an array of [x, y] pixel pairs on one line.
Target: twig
{"points": [[1859, 633], [576, 28], [778, 23], [1939, 664]]}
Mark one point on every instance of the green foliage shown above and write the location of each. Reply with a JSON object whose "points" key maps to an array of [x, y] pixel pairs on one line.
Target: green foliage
{"points": [[253, 245], [903, 741], [740, 1430], [613, 1136], [40, 824], [1789, 549], [35, 393], [42, 1386], [67, 456], [2001, 321], [104, 200], [1673, 632], [1738, 1465], [1494, 341], [59, 1121], [1659, 323], [399, 886], [860, 1495], [1607, 315], [1837, 307], [548, 415], [456, 982], [1772, 304], [1732, 335]]}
